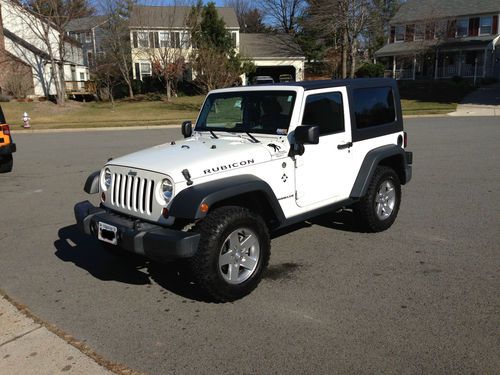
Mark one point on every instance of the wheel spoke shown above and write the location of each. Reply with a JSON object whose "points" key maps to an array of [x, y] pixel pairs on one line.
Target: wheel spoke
{"points": [[248, 242], [248, 263], [379, 209], [234, 241], [225, 258], [390, 194], [233, 272]]}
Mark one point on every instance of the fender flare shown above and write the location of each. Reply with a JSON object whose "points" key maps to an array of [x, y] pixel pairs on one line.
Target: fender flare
{"points": [[187, 203], [370, 163], [92, 183]]}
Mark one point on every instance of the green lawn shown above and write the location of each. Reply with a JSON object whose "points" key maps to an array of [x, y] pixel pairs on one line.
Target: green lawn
{"points": [[46, 115]]}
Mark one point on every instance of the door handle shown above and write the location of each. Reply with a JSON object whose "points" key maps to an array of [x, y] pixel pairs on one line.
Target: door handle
{"points": [[344, 145]]}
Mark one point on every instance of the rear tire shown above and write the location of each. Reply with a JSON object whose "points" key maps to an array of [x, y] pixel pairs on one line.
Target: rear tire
{"points": [[378, 209], [6, 164], [232, 255]]}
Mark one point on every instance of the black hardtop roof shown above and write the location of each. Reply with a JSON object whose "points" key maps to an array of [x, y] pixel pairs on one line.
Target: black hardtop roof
{"points": [[350, 82]]}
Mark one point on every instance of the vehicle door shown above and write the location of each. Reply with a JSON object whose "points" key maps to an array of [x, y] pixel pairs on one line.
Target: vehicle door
{"points": [[323, 173]]}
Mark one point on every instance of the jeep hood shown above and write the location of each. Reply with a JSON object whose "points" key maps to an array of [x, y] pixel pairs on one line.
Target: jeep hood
{"points": [[201, 157]]}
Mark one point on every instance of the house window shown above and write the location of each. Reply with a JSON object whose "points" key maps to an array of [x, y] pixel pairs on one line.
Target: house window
{"points": [[419, 31], [175, 39], [486, 25], [400, 33], [88, 37], [233, 39], [441, 27], [90, 58], [462, 27], [145, 69], [186, 40], [164, 39], [143, 39]]}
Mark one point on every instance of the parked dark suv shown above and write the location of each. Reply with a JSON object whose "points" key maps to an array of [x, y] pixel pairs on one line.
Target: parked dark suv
{"points": [[7, 146]]}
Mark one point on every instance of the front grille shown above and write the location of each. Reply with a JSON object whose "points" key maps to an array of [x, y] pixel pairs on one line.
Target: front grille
{"points": [[133, 193]]}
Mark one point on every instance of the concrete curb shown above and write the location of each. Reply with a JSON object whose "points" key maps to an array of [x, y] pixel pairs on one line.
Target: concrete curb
{"points": [[104, 129], [29, 345]]}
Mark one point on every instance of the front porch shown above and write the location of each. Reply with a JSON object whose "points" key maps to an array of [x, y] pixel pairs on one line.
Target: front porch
{"points": [[470, 64]]}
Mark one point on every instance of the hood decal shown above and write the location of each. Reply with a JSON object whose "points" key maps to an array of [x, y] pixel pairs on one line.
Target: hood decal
{"points": [[225, 167]]}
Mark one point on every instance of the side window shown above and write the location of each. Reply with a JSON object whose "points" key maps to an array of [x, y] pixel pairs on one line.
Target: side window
{"points": [[326, 111], [374, 106]]}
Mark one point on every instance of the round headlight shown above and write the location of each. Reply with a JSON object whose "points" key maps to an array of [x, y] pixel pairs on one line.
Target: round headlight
{"points": [[167, 189], [107, 178]]}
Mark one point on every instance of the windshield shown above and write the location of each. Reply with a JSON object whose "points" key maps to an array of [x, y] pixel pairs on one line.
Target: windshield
{"points": [[267, 112]]}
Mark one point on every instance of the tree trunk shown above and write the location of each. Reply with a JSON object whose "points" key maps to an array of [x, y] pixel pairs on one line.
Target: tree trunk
{"points": [[353, 59], [344, 53], [61, 95], [169, 90]]}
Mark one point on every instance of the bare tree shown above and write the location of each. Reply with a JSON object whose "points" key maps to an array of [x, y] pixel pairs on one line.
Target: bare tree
{"points": [[116, 38], [283, 14], [107, 75], [347, 18]]}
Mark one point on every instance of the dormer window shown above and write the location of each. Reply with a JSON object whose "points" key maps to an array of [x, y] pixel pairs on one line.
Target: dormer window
{"points": [[486, 25], [462, 27], [400, 33], [419, 31]]}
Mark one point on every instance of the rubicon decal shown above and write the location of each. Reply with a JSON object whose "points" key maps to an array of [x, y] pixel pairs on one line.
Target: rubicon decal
{"points": [[225, 167]]}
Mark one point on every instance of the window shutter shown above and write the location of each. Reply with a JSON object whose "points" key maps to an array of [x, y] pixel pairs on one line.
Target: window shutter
{"points": [[137, 71], [452, 28], [134, 36], [494, 29], [157, 40], [151, 40], [393, 33], [410, 31], [474, 26]]}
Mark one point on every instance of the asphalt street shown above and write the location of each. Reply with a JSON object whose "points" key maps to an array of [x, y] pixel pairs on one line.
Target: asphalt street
{"points": [[422, 297]]}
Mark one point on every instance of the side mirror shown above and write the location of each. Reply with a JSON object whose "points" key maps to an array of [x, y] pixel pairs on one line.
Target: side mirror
{"points": [[187, 128], [307, 135]]}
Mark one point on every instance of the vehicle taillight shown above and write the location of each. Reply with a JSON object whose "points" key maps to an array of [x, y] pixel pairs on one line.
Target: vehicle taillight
{"points": [[5, 129], [405, 139]]}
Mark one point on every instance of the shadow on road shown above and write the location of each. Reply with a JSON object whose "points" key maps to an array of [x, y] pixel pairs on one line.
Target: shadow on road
{"points": [[90, 255], [344, 220]]}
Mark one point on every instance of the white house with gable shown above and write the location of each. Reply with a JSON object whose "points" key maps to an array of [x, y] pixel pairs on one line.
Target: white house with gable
{"points": [[25, 53]]}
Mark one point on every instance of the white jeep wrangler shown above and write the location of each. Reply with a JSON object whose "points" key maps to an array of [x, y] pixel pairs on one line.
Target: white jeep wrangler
{"points": [[258, 159]]}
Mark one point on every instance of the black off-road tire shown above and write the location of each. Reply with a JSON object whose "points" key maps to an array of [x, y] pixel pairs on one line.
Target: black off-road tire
{"points": [[214, 231], [6, 164], [366, 208]]}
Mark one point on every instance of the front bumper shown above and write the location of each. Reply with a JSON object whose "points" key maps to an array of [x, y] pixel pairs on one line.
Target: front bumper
{"points": [[153, 241], [8, 149]]}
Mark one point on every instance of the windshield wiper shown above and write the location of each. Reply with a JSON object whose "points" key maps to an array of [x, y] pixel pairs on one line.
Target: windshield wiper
{"points": [[255, 140], [213, 134]]}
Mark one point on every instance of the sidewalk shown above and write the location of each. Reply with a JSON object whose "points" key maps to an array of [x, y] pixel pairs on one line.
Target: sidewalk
{"points": [[28, 347], [485, 101]]}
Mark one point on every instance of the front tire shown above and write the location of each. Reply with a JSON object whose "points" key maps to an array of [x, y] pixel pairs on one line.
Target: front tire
{"points": [[233, 253], [379, 208], [6, 164]]}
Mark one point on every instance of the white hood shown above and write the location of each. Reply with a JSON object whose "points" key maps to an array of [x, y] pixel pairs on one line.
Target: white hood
{"points": [[201, 156]]}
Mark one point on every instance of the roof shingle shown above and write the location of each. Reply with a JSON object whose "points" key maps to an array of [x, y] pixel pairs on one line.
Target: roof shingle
{"points": [[269, 46], [173, 16], [421, 10]]}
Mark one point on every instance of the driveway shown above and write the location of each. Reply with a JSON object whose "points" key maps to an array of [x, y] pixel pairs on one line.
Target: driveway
{"points": [[485, 101]]}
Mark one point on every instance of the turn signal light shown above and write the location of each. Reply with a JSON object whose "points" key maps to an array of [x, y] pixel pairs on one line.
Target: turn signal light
{"points": [[405, 139], [204, 208], [5, 129]]}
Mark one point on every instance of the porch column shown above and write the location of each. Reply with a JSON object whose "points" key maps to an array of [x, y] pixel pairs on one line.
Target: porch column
{"points": [[484, 61], [414, 65], [394, 67], [460, 63], [436, 67]]}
